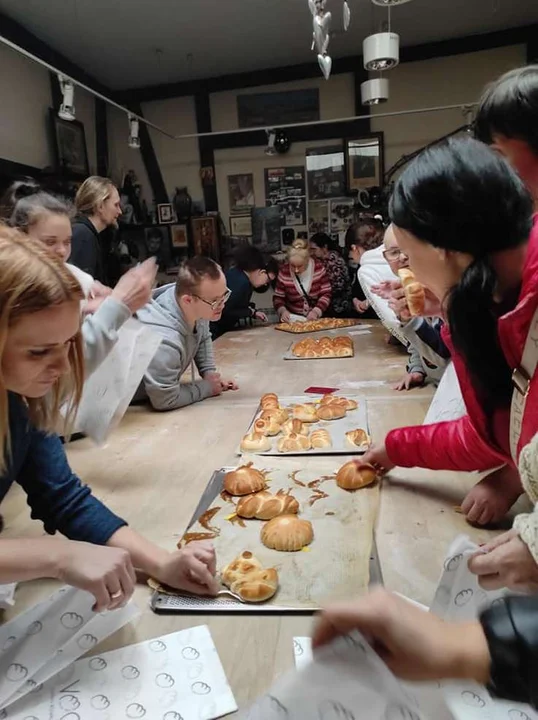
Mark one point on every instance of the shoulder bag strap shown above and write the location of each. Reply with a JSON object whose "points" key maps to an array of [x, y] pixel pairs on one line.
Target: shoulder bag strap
{"points": [[521, 379]]}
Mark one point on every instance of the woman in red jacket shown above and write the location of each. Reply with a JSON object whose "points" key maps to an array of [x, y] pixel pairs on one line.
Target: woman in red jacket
{"points": [[463, 218]]}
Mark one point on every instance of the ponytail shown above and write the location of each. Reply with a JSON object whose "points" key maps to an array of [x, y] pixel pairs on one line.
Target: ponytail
{"points": [[473, 326]]}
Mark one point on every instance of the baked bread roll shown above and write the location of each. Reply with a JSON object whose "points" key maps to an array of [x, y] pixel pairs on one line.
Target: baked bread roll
{"points": [[268, 427], [244, 481], [287, 533], [294, 443], [268, 401], [294, 426], [246, 577], [358, 437], [305, 413], [331, 412], [320, 439], [333, 400], [264, 506], [279, 415], [414, 292], [255, 442], [325, 347], [352, 476]]}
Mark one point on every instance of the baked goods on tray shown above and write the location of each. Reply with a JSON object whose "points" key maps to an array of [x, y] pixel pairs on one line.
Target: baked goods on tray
{"points": [[338, 400], [316, 325], [244, 481], [353, 476], [414, 291], [306, 413], [287, 533], [246, 577], [266, 426], [294, 426], [358, 437], [294, 443], [331, 412], [325, 347], [279, 415], [320, 439], [264, 506], [255, 442], [268, 401]]}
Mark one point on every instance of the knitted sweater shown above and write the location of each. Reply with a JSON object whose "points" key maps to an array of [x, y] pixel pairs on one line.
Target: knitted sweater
{"points": [[527, 524], [289, 296]]}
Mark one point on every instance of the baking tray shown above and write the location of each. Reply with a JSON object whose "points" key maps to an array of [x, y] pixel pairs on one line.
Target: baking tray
{"points": [[193, 604], [337, 428], [288, 355], [352, 323]]}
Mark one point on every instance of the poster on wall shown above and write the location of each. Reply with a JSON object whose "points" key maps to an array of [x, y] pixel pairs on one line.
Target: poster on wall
{"points": [[285, 189], [318, 217], [326, 172], [241, 193], [341, 215], [272, 109], [266, 225]]}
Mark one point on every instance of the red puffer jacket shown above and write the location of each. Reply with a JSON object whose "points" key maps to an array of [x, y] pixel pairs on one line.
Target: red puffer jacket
{"points": [[466, 444]]}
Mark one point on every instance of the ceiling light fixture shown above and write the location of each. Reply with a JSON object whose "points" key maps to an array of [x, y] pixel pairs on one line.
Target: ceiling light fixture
{"points": [[271, 137], [390, 3], [375, 92], [134, 129], [67, 108], [381, 51]]}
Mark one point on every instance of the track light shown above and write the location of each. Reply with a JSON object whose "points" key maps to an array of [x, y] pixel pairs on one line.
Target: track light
{"points": [[271, 137], [390, 3], [134, 128], [374, 92], [67, 108], [381, 51]]}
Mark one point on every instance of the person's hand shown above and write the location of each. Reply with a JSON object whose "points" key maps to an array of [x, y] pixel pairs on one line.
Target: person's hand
{"points": [[284, 315], [228, 385], [378, 457], [410, 380], [215, 381], [314, 314], [98, 290], [506, 562], [414, 644], [106, 572], [384, 289], [493, 496], [398, 304], [259, 315], [134, 288], [192, 569], [361, 306]]}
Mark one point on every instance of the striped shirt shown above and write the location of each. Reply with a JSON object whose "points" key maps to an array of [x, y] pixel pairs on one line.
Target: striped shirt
{"points": [[289, 296]]}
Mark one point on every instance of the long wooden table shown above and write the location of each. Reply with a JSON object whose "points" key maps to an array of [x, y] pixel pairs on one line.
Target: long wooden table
{"points": [[155, 466]]}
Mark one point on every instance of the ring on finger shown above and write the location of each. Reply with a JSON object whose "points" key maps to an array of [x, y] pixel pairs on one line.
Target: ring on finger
{"points": [[116, 595]]}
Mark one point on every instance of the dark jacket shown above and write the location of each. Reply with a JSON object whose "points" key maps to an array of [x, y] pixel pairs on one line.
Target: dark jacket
{"points": [[87, 251], [238, 306], [55, 494], [511, 629]]}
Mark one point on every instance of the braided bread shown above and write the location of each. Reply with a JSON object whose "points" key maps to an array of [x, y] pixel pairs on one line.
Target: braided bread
{"points": [[358, 437], [264, 506], [331, 412], [268, 401], [337, 400], [268, 427], [305, 413], [287, 533], [255, 442], [279, 415], [294, 443], [244, 481], [325, 347], [353, 476], [246, 577], [320, 439], [414, 292], [294, 426]]}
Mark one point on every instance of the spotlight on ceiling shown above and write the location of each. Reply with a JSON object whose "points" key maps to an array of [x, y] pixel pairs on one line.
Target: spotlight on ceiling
{"points": [[134, 128], [271, 137], [381, 51], [375, 92], [390, 3], [67, 108]]}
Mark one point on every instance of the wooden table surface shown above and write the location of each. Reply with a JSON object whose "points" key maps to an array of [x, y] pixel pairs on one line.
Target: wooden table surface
{"points": [[155, 466]]}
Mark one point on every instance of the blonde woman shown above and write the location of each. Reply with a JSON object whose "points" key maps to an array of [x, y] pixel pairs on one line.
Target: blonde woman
{"points": [[98, 207], [41, 369], [303, 286]]}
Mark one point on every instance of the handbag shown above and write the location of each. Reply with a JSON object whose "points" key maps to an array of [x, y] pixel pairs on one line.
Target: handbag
{"points": [[521, 380]]}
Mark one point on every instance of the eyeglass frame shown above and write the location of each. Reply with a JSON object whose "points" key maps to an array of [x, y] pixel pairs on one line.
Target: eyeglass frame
{"points": [[392, 250], [216, 303]]}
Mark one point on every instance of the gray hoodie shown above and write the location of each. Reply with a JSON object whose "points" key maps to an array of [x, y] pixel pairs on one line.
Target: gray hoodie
{"points": [[179, 348]]}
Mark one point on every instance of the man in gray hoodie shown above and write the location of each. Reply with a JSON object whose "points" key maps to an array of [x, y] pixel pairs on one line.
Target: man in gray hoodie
{"points": [[181, 313]]}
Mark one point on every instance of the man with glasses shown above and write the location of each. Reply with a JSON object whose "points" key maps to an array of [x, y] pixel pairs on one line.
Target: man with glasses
{"points": [[181, 313]]}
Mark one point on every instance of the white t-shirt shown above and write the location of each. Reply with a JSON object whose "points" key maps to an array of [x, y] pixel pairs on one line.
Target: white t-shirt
{"points": [[85, 279]]}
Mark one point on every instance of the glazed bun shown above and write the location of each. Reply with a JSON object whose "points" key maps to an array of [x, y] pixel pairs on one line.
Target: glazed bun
{"points": [[244, 481], [256, 443], [287, 533], [246, 577], [353, 476], [264, 506]]}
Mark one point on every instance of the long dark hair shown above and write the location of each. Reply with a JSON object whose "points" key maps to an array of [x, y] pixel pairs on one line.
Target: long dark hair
{"points": [[21, 188], [460, 196]]}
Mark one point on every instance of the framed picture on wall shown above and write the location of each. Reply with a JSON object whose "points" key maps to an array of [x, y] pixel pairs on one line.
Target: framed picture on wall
{"points": [[205, 236], [241, 225], [326, 172], [180, 236], [365, 162], [69, 145], [157, 244], [241, 193], [165, 213]]}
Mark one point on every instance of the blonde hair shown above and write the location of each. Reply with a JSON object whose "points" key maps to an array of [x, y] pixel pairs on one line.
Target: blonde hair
{"points": [[93, 191], [31, 280], [299, 253]]}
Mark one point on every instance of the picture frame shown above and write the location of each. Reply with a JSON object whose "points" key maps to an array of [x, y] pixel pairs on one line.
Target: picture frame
{"points": [[69, 146], [241, 193], [165, 213], [364, 157], [157, 244], [241, 225], [326, 172], [180, 237], [205, 235]]}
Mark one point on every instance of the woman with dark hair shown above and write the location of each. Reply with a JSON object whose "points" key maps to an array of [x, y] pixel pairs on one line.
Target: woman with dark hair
{"points": [[325, 249], [250, 271], [463, 218], [18, 189], [367, 234]]}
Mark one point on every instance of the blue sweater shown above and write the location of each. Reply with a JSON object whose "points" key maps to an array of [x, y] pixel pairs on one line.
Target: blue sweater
{"points": [[55, 494], [238, 306]]}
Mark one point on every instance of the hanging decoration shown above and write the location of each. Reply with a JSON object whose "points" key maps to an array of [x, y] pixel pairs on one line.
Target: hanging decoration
{"points": [[321, 21]]}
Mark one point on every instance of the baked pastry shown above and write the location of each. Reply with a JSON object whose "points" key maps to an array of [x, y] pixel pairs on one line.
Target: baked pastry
{"points": [[325, 347], [255, 442], [268, 401], [294, 426], [334, 400], [279, 415], [358, 437], [414, 292], [287, 533], [268, 426], [244, 481], [331, 412], [305, 413], [246, 576], [320, 439], [353, 476], [351, 404], [264, 506], [294, 443]]}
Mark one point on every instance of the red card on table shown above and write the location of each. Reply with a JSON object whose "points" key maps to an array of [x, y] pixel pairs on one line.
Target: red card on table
{"points": [[320, 390]]}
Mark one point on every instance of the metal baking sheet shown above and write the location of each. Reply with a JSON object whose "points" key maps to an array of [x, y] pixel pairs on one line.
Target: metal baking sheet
{"points": [[164, 603], [353, 420], [288, 355], [325, 329]]}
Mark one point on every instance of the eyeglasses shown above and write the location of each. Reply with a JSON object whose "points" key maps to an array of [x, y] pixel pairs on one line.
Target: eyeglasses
{"points": [[216, 303], [394, 254]]}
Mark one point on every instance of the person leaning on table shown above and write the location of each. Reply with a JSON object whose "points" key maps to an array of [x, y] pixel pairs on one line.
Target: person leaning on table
{"points": [[42, 369]]}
